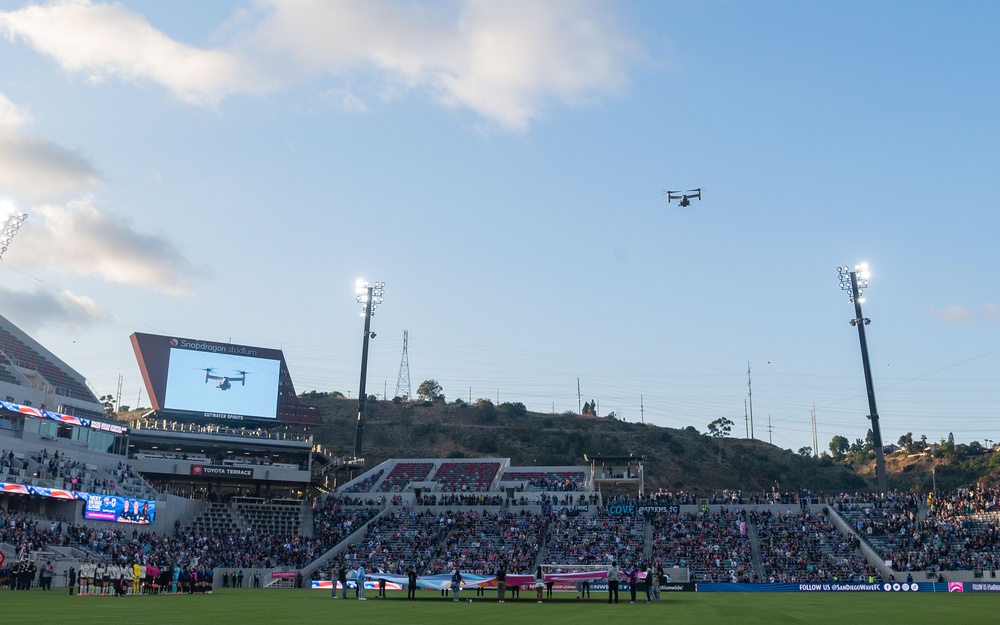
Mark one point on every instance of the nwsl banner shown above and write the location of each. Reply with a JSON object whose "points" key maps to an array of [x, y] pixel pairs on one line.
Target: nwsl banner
{"points": [[97, 507]]}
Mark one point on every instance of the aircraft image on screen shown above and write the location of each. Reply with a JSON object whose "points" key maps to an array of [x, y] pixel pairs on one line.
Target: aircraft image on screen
{"points": [[195, 377], [225, 381]]}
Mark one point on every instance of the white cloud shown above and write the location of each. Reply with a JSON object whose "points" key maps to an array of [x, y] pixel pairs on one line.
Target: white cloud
{"points": [[108, 40], [957, 313], [504, 60], [33, 310], [88, 242], [31, 166], [345, 100], [353, 104]]}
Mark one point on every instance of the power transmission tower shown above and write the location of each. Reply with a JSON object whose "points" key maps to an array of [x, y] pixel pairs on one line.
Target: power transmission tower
{"points": [[403, 381]]}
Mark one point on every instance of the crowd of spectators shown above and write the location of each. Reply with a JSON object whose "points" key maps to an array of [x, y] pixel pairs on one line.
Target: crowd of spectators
{"points": [[713, 545], [246, 549], [941, 532], [804, 546], [480, 541], [29, 533], [58, 471], [953, 531], [599, 539], [665, 497], [546, 480], [396, 541], [461, 499]]}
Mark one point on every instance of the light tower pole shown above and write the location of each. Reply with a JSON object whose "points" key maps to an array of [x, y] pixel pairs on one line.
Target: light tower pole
{"points": [[369, 296], [854, 281]]}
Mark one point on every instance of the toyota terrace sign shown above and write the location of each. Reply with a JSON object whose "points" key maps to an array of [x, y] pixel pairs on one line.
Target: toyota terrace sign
{"points": [[200, 469]]}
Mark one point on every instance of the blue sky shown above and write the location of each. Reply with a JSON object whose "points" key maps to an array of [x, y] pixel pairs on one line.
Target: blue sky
{"points": [[226, 171]]}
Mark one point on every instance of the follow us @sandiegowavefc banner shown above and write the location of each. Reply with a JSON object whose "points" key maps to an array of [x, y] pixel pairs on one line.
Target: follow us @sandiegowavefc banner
{"points": [[910, 587], [119, 509]]}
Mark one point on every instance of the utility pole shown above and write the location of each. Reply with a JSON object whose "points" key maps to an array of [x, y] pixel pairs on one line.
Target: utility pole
{"points": [[118, 397], [815, 438], [750, 397], [579, 399]]}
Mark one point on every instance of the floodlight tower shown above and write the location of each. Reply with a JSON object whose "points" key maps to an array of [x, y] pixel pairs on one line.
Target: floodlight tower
{"points": [[14, 223], [369, 296], [854, 281]]}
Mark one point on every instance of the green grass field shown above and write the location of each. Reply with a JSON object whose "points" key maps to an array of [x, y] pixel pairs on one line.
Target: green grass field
{"points": [[305, 607]]}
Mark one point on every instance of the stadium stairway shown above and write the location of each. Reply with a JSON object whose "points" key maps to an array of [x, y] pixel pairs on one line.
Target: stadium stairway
{"points": [[308, 527], [866, 549], [647, 543], [758, 559], [334, 552]]}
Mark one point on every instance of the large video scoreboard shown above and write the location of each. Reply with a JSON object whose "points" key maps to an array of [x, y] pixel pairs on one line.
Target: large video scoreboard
{"points": [[208, 380]]}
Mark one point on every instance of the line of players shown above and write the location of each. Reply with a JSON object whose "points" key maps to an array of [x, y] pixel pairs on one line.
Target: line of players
{"points": [[99, 578]]}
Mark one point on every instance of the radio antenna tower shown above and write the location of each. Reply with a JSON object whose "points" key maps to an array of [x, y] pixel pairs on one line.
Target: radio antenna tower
{"points": [[403, 381]]}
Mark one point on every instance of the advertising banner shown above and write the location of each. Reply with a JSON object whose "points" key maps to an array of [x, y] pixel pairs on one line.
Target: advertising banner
{"points": [[206, 470], [119, 509], [843, 587]]}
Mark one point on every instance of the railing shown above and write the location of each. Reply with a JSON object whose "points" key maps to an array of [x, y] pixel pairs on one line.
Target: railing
{"points": [[164, 425]]}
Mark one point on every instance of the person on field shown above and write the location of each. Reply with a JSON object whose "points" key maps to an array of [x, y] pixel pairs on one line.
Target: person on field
{"points": [[539, 583], [456, 584]]}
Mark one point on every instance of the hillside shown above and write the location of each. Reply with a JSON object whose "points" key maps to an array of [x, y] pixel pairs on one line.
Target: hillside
{"points": [[676, 459]]}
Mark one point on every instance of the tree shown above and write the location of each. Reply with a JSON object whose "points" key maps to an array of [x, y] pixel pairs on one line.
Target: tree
{"points": [[805, 451], [109, 404], [720, 428], [514, 409], [906, 441], [430, 390], [486, 410], [839, 445]]}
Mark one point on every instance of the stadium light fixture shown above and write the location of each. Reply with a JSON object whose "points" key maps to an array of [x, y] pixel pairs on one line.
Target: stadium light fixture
{"points": [[370, 296], [10, 229], [854, 281]]}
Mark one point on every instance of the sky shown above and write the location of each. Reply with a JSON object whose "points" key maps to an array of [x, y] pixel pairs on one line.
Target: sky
{"points": [[227, 171]]}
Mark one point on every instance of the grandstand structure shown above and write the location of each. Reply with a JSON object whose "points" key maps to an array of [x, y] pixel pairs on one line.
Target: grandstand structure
{"points": [[32, 376], [251, 492]]}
